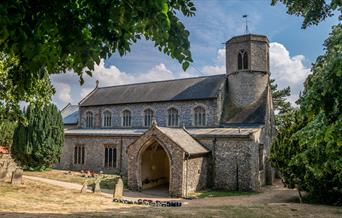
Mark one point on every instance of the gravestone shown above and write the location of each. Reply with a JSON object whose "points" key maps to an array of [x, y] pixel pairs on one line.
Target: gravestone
{"points": [[17, 177], [118, 189], [84, 187], [3, 173], [96, 187]]}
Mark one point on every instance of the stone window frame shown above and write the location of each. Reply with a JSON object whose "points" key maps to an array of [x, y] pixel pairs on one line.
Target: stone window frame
{"points": [[116, 164], [83, 153], [103, 118], [193, 115], [242, 60], [92, 119], [123, 117], [168, 116], [144, 116]]}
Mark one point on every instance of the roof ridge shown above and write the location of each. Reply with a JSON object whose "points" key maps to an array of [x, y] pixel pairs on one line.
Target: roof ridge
{"points": [[169, 80]]}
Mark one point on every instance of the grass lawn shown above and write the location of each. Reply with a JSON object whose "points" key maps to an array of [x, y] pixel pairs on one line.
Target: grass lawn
{"points": [[34, 199], [209, 194], [107, 181]]}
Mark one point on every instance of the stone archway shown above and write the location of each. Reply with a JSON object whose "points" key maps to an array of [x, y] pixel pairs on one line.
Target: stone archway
{"points": [[154, 164]]}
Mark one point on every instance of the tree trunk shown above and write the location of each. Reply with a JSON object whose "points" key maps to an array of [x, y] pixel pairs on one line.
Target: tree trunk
{"points": [[299, 195]]}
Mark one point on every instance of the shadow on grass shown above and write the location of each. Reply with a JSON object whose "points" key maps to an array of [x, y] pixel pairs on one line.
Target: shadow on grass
{"points": [[210, 194]]}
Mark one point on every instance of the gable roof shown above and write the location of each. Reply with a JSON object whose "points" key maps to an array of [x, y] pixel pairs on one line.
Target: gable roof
{"points": [[205, 87], [70, 114], [184, 140], [179, 136]]}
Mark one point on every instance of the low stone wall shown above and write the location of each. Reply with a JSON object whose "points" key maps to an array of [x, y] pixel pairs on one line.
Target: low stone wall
{"points": [[7, 162]]}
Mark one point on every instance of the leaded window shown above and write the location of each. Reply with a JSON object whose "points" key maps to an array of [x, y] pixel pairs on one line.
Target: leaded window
{"points": [[172, 117], [126, 118], [89, 120], [242, 60], [107, 119], [110, 157], [79, 153], [199, 116], [148, 116]]}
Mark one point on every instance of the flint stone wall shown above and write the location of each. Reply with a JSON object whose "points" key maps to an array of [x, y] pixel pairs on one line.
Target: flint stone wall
{"points": [[185, 112], [195, 174], [236, 165], [95, 153]]}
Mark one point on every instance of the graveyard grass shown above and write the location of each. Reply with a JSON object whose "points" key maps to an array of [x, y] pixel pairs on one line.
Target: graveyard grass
{"points": [[107, 181], [34, 199]]}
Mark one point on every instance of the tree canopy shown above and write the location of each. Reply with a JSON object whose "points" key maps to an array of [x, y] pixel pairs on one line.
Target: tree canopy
{"points": [[281, 105], [39, 144], [313, 11], [308, 148], [7, 130], [49, 37]]}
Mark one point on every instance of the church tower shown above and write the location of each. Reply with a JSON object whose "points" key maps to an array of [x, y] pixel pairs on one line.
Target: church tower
{"points": [[247, 67]]}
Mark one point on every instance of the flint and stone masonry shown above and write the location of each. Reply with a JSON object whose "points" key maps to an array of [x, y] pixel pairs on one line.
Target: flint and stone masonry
{"points": [[228, 151]]}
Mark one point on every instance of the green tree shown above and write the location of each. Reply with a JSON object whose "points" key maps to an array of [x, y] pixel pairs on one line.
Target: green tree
{"points": [[313, 11], [280, 104], [49, 37], [308, 148], [39, 144], [7, 130]]}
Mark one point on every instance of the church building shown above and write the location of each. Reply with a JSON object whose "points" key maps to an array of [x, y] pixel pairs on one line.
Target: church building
{"points": [[185, 134]]}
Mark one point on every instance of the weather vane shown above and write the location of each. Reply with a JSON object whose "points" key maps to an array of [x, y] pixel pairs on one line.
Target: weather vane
{"points": [[246, 18]]}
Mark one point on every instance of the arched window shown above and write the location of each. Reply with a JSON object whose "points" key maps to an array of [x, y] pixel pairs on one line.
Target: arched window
{"points": [[126, 118], [107, 119], [89, 120], [148, 116], [242, 60], [199, 116], [172, 117]]}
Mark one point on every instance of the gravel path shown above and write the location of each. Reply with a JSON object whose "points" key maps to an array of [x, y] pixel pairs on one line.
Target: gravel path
{"points": [[270, 194]]}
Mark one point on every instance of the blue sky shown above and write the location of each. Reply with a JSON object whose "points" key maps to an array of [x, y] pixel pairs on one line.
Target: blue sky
{"points": [[292, 49]]}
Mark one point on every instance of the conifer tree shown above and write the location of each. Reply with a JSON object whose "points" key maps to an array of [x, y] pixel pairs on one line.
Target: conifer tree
{"points": [[38, 145]]}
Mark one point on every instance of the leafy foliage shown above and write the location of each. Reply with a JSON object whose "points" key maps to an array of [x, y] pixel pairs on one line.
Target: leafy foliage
{"points": [[308, 149], [313, 11], [12, 89], [39, 144], [49, 37], [7, 130], [280, 104]]}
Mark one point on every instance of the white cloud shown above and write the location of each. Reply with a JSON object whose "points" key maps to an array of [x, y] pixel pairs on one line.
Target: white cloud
{"points": [[286, 68], [63, 92], [219, 67], [68, 88]]}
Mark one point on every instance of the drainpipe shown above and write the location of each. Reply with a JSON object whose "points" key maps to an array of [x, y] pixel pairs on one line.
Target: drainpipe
{"points": [[120, 169], [186, 174]]}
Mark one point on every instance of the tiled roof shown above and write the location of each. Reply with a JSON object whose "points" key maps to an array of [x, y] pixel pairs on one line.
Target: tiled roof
{"points": [[184, 140], [70, 114], [205, 87]]}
